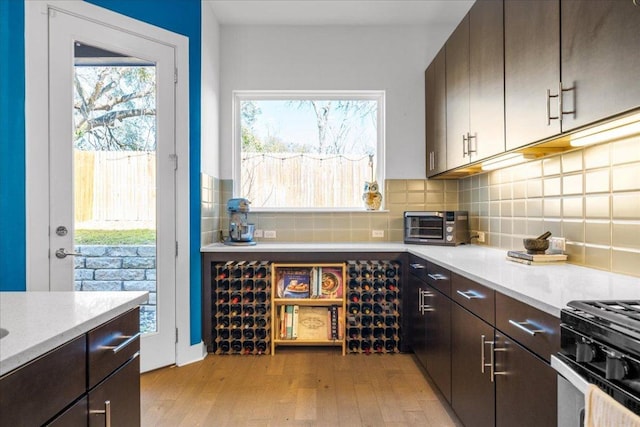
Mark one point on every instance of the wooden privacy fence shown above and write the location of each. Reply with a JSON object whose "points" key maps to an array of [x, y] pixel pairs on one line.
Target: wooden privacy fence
{"points": [[304, 180], [115, 186]]}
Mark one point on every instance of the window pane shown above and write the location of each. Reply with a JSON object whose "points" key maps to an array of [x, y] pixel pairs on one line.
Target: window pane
{"points": [[307, 153]]}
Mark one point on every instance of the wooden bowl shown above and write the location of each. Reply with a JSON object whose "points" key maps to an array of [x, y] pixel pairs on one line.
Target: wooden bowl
{"points": [[536, 246]]}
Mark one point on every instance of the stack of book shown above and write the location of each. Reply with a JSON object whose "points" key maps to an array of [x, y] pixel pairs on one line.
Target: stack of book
{"points": [[523, 257], [311, 323], [310, 282]]}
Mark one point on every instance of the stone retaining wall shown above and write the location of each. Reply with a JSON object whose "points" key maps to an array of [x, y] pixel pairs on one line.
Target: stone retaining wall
{"points": [[119, 268]]}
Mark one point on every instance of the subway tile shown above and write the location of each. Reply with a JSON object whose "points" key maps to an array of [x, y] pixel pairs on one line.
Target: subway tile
{"points": [[396, 185], [626, 206], [625, 235], [396, 198], [451, 199], [416, 185], [551, 166], [519, 208], [626, 177], [625, 262], [301, 236], [451, 185], [494, 225], [552, 225], [572, 184], [360, 235], [341, 221], [597, 156], [572, 161], [506, 226], [535, 227], [534, 208], [552, 187], [625, 151], [597, 257], [494, 209], [506, 208], [494, 192], [506, 191], [435, 197], [435, 185], [519, 173], [396, 235], [519, 227], [416, 198], [597, 181], [597, 233], [483, 208], [378, 222], [575, 252], [483, 180], [572, 207], [573, 231], [552, 207], [534, 188], [597, 207], [534, 169], [519, 190], [322, 235]]}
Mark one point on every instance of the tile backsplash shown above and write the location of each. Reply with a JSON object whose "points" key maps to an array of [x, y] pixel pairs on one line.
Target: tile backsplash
{"points": [[589, 196]]}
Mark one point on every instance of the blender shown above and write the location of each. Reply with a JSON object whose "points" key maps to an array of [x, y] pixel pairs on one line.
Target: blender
{"points": [[240, 231]]}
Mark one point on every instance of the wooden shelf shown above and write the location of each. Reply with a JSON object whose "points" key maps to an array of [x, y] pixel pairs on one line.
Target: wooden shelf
{"points": [[307, 271]]}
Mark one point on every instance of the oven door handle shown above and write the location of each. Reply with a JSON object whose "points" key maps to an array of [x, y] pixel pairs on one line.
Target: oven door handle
{"points": [[569, 374]]}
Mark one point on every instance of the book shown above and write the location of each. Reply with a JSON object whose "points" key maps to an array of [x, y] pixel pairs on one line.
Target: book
{"points": [[294, 282], [312, 323], [341, 326], [333, 322], [529, 262], [295, 314], [330, 282], [537, 257], [289, 317], [283, 322]]}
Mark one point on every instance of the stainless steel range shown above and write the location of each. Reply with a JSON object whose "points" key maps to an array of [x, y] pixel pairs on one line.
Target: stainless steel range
{"points": [[600, 342]]}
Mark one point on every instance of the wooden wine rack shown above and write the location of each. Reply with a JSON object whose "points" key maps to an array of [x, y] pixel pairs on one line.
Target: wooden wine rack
{"points": [[240, 308], [373, 307]]}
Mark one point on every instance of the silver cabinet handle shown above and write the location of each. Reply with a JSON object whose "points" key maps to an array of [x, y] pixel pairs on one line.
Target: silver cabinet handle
{"points": [[122, 345], [61, 253], [483, 364], [417, 266], [493, 361], [522, 326], [437, 276], [469, 138], [561, 111], [465, 145], [549, 116], [106, 411], [469, 294]]}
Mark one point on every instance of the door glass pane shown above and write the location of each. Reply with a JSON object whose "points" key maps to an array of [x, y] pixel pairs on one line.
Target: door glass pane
{"points": [[115, 175]]}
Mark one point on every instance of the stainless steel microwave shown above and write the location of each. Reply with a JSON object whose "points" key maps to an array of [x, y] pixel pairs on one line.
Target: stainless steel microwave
{"points": [[436, 227]]}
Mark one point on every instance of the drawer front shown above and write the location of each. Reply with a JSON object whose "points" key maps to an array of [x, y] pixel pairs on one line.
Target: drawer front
{"points": [[532, 328], [473, 296], [112, 344], [418, 267], [39, 390], [439, 278], [120, 395]]}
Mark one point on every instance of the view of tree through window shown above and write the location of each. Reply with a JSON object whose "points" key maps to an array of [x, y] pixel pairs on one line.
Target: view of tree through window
{"points": [[307, 153]]}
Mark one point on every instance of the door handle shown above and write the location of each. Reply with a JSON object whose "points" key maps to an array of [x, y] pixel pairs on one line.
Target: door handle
{"points": [[62, 253]]}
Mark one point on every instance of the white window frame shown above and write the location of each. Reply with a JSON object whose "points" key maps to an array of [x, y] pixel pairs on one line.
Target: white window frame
{"points": [[244, 95]]}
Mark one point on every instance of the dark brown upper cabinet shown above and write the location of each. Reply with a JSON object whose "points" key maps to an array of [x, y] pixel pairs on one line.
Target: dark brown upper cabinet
{"points": [[436, 115], [475, 85], [600, 54], [532, 70]]}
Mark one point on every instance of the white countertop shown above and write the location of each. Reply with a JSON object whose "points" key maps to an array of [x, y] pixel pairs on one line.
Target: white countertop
{"points": [[548, 288], [41, 321]]}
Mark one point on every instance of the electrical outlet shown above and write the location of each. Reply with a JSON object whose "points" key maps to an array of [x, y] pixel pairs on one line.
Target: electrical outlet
{"points": [[269, 234], [257, 233], [377, 233], [480, 236], [557, 245]]}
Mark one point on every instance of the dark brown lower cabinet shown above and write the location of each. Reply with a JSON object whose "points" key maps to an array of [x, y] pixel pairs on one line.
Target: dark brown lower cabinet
{"points": [[526, 395], [472, 392], [74, 416], [417, 319], [438, 340]]}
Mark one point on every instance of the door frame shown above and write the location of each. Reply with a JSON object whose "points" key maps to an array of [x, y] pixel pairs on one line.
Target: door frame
{"points": [[37, 149]]}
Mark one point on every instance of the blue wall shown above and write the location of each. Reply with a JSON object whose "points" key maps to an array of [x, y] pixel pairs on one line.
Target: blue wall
{"points": [[12, 156], [180, 16]]}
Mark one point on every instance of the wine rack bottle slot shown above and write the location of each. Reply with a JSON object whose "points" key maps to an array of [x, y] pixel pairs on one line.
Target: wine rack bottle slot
{"points": [[374, 298], [240, 295]]}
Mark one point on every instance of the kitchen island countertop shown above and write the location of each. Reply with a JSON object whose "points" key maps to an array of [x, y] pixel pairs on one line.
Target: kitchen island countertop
{"points": [[547, 287], [41, 321]]}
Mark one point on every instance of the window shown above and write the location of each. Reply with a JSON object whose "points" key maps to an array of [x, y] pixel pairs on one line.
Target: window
{"points": [[308, 150]]}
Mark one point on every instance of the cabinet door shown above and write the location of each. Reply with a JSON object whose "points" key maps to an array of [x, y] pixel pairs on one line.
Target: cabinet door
{"points": [[438, 340], [527, 394], [417, 333], [486, 79], [472, 392], [532, 66], [600, 42], [436, 115], [122, 390], [75, 416], [457, 86]]}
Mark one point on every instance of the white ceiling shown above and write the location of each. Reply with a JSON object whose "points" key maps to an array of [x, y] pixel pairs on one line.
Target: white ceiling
{"points": [[340, 12]]}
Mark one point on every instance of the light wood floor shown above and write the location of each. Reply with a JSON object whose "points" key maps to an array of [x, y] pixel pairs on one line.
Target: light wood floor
{"points": [[296, 387]]}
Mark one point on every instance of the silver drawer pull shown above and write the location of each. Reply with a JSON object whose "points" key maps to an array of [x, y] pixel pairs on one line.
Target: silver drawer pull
{"points": [[469, 294], [417, 266], [106, 411], [522, 327], [122, 345], [437, 276]]}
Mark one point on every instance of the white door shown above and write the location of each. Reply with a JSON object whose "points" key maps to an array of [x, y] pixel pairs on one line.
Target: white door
{"points": [[112, 170]]}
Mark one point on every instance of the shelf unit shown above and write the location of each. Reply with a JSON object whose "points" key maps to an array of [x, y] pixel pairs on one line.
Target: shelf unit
{"points": [[240, 308], [374, 301], [281, 276]]}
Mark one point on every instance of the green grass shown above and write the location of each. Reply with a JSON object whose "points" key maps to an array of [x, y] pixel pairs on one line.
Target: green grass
{"points": [[115, 237]]}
